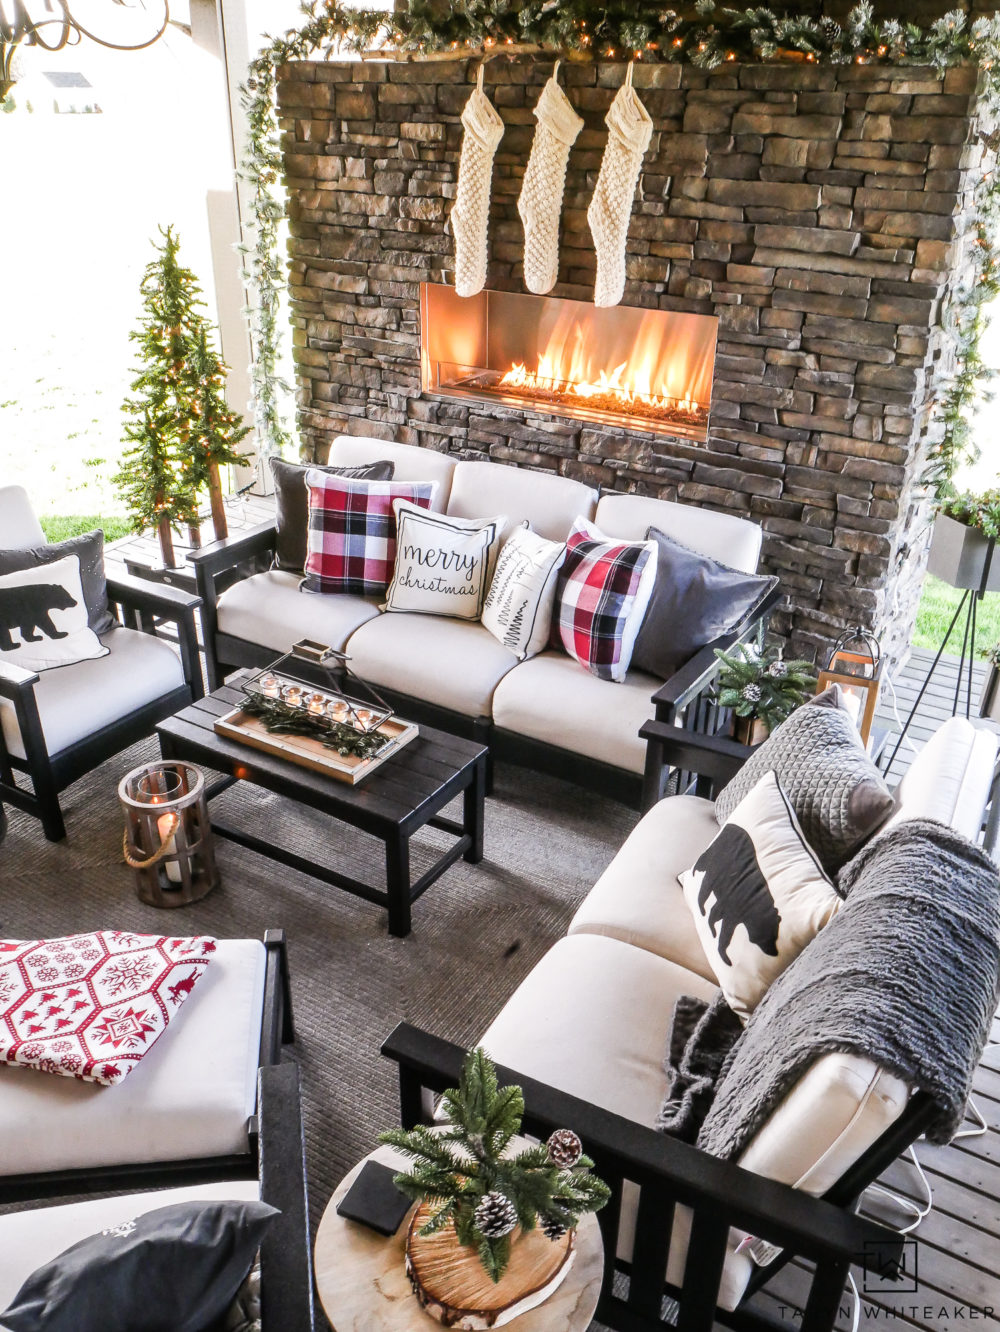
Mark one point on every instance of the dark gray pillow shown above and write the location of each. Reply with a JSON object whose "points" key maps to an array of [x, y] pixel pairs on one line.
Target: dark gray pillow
{"points": [[176, 1269], [89, 546], [836, 791], [292, 504], [695, 599]]}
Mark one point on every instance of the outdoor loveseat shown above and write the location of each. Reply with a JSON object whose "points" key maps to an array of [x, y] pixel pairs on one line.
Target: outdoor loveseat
{"points": [[546, 712], [586, 1034]]}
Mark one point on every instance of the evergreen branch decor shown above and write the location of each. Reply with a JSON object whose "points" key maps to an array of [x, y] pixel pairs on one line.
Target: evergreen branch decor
{"points": [[461, 1168], [757, 682], [578, 29], [281, 718]]}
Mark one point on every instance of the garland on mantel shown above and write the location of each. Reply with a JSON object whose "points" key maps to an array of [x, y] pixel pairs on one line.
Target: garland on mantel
{"points": [[578, 29]]}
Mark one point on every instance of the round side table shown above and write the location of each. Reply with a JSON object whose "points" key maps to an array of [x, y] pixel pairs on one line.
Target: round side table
{"points": [[363, 1286]]}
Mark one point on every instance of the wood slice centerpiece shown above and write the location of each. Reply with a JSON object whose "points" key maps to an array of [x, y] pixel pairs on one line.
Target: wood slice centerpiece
{"points": [[452, 1286]]}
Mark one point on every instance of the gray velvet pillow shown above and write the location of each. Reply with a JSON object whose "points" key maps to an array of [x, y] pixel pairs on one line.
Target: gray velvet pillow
{"points": [[292, 504], [175, 1269], [89, 547], [695, 599], [836, 791]]}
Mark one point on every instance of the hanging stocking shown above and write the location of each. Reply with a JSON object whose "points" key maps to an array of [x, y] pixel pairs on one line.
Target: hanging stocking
{"points": [[471, 214], [541, 198], [629, 132]]}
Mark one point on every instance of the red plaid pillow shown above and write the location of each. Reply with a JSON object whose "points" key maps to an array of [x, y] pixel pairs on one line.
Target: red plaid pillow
{"points": [[352, 531], [603, 591], [91, 1005]]}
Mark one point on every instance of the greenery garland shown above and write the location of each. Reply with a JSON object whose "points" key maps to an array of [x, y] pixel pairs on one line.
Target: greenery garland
{"points": [[620, 29]]}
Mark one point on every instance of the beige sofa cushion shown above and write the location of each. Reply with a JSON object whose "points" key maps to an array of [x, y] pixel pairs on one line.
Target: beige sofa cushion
{"points": [[19, 528], [593, 1019], [454, 664], [638, 898], [553, 699], [269, 609], [549, 502], [30, 1239], [734, 541], [160, 1112], [949, 780], [137, 669], [411, 463]]}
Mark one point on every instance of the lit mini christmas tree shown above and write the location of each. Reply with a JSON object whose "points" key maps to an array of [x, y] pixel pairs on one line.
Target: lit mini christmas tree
{"points": [[176, 421]]}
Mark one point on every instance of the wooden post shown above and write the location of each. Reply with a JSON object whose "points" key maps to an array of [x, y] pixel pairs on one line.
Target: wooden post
{"points": [[166, 542], [219, 522]]}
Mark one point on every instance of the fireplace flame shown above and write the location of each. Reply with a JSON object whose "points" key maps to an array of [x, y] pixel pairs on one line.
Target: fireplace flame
{"points": [[566, 367]]}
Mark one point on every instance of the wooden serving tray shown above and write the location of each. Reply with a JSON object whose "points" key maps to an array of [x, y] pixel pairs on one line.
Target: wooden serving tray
{"points": [[311, 753]]}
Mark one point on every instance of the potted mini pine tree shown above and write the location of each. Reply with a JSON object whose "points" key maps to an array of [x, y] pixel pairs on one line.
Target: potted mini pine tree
{"points": [[490, 1202], [761, 688]]}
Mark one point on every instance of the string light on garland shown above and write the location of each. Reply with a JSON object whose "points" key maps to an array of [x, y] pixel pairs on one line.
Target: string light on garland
{"points": [[712, 36]]}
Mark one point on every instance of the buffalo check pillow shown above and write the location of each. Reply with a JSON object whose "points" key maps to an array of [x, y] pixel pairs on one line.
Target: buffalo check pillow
{"points": [[89, 1006], [352, 531], [602, 594]]}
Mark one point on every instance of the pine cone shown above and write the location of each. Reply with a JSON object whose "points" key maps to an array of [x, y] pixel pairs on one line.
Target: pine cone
{"points": [[751, 692], [565, 1149], [778, 669], [552, 1228], [495, 1215], [830, 29]]}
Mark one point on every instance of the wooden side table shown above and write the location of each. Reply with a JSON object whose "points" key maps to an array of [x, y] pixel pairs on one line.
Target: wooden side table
{"points": [[363, 1286]]}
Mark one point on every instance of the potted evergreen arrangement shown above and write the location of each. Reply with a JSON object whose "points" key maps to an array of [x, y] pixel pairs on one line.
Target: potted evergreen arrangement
{"points": [[496, 1212], [177, 423], [964, 530], [761, 688]]}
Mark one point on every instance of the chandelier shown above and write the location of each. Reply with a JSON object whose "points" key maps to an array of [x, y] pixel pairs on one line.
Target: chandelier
{"points": [[53, 24]]}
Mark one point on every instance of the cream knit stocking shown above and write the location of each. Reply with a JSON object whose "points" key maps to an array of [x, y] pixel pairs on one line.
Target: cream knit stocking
{"points": [[470, 216], [629, 132], [540, 202]]}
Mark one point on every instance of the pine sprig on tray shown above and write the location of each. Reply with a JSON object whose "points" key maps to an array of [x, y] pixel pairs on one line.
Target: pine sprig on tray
{"points": [[280, 718]]}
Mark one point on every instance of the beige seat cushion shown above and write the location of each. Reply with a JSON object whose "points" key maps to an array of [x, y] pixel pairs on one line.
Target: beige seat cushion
{"points": [[734, 541], [75, 701], [454, 664], [19, 528], [410, 463], [269, 609], [553, 699], [30, 1239], [593, 1019], [638, 899], [190, 1096], [550, 503], [949, 780]]}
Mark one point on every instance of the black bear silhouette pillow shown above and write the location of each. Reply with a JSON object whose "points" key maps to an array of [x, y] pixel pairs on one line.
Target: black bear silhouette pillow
{"points": [[758, 895], [43, 617]]}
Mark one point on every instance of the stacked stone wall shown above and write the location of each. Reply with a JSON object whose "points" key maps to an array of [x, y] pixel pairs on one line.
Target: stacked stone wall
{"points": [[822, 213]]}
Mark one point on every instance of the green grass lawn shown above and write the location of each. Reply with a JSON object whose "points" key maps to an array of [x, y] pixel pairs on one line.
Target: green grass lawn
{"points": [[937, 606], [59, 527]]}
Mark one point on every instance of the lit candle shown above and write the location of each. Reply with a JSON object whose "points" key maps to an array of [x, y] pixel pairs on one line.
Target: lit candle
{"points": [[269, 686], [364, 718], [338, 710], [166, 825], [293, 696], [852, 702], [316, 703]]}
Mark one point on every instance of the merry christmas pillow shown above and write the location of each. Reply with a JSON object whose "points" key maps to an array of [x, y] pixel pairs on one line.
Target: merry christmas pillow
{"points": [[89, 1006]]}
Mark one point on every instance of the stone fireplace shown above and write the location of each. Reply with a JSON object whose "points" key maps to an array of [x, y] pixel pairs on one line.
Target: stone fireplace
{"points": [[797, 229]]}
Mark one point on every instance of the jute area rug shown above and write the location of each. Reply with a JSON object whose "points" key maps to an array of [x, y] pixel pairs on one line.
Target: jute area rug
{"points": [[476, 932]]}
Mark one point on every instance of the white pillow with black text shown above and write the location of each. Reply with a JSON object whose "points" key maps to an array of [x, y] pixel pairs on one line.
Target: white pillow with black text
{"points": [[518, 607], [758, 895], [443, 565]]}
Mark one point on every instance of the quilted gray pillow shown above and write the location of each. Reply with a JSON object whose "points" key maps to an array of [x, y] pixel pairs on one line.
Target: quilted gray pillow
{"points": [[837, 792]]}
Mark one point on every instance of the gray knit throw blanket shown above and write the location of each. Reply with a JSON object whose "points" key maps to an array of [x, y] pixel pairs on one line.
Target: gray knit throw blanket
{"points": [[906, 974]]}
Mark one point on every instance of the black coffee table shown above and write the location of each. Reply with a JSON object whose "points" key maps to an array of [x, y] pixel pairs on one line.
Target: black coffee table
{"points": [[405, 794]]}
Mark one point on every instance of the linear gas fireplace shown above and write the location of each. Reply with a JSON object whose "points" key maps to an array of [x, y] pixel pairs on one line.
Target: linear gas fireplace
{"points": [[650, 369]]}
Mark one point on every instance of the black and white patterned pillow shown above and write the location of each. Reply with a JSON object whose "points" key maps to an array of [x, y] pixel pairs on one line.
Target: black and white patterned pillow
{"points": [[43, 617]]}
